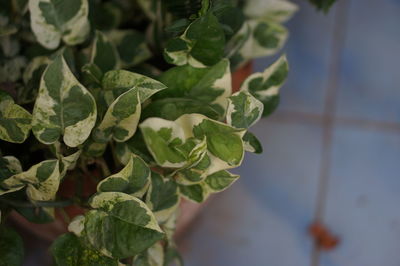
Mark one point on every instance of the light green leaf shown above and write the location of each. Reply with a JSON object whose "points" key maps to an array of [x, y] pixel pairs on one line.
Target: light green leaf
{"points": [[120, 81], [68, 250], [121, 119], [162, 197], [121, 226], [104, 55], [251, 143], [244, 110], [15, 121], [63, 107], [11, 247], [211, 85], [131, 46], [53, 20], [265, 86], [41, 180], [133, 179]]}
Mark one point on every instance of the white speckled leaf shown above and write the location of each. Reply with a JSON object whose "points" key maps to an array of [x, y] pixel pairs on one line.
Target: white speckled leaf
{"points": [[244, 110]]}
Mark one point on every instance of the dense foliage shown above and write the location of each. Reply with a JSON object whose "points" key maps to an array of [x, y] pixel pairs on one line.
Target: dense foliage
{"points": [[136, 98]]}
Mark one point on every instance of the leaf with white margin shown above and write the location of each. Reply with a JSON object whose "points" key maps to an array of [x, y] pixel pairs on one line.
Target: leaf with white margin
{"points": [[162, 137], [265, 86], [276, 10], [9, 166], [15, 121], [251, 143], [121, 225], [121, 119], [244, 110], [219, 181], [63, 107], [212, 85], [133, 179], [162, 197], [193, 193], [120, 81], [69, 162], [104, 55], [131, 46], [42, 181], [52, 20], [153, 256], [69, 250], [194, 174], [266, 39]]}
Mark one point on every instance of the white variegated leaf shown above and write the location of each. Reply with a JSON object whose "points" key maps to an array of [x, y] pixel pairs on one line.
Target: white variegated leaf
{"points": [[244, 110], [104, 55], [63, 107], [276, 10], [153, 256], [52, 21], [133, 179]]}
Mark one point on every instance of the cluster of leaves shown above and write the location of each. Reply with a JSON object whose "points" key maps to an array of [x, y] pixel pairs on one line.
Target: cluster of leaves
{"points": [[136, 97]]}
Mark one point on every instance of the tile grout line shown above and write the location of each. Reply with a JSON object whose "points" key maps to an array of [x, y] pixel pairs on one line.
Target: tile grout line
{"points": [[339, 35]]}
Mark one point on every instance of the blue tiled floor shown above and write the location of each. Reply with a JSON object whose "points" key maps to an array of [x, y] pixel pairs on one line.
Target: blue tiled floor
{"points": [[262, 219]]}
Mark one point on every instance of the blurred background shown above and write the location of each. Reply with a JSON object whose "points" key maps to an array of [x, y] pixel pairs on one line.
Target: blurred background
{"points": [[331, 153]]}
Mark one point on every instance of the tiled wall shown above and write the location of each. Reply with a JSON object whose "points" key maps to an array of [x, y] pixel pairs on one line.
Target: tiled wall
{"points": [[332, 151]]}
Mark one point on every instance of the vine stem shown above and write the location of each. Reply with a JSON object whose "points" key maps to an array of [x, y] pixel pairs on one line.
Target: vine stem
{"points": [[24, 204]]}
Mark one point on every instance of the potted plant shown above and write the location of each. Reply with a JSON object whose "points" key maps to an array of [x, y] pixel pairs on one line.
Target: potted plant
{"points": [[113, 111]]}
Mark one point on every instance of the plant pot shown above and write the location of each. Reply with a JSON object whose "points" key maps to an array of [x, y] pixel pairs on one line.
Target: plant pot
{"points": [[50, 231]]}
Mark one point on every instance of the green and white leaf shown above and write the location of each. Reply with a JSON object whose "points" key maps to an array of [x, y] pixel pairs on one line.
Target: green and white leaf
{"points": [[162, 197], [219, 181], [41, 180], [63, 107], [68, 162], [131, 46], [133, 179], [121, 119], [244, 110], [165, 140], [265, 86], [11, 69], [251, 143], [121, 225], [275, 10], [15, 121], [153, 256], [120, 81], [11, 247], [104, 55], [211, 85], [69, 250], [52, 21]]}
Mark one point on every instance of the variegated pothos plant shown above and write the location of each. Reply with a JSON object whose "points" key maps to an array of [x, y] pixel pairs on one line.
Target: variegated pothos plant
{"points": [[136, 97]]}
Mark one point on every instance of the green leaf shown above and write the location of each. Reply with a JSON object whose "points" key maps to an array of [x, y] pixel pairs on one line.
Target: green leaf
{"points": [[15, 121], [211, 85], [120, 81], [104, 55], [41, 180], [265, 86], [11, 247], [63, 107], [9, 165], [133, 179], [121, 226], [162, 197], [201, 45], [193, 193], [131, 46], [323, 5], [251, 143], [68, 250], [219, 181], [121, 119], [244, 110], [153, 256], [53, 20], [275, 10]]}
